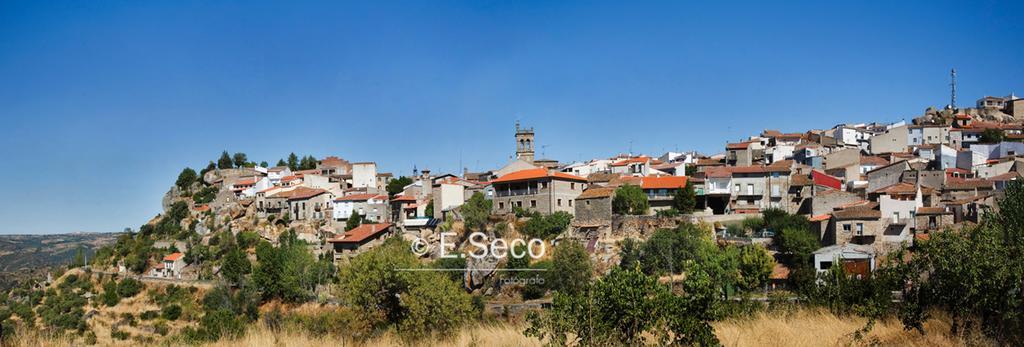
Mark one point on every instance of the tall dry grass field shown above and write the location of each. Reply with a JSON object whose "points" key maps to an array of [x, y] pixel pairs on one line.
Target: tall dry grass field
{"points": [[799, 328], [821, 328]]}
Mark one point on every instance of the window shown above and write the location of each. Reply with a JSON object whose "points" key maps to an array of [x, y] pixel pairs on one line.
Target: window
{"points": [[533, 203], [825, 265], [860, 228], [570, 203], [501, 205], [736, 189], [846, 227], [559, 202], [572, 185], [750, 189], [544, 185]]}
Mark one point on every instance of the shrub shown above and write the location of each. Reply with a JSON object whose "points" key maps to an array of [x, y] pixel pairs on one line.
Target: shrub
{"points": [[149, 315], [570, 268], [171, 312], [119, 334], [128, 288], [547, 227]]}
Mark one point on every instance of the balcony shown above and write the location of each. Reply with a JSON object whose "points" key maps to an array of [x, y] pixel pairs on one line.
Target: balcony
{"points": [[517, 192]]}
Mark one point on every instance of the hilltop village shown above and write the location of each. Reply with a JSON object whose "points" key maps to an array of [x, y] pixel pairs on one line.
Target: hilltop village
{"points": [[793, 215], [866, 188]]}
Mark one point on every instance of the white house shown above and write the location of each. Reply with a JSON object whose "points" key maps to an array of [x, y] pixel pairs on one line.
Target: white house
{"points": [[370, 206], [170, 267], [364, 175], [275, 174], [856, 259]]}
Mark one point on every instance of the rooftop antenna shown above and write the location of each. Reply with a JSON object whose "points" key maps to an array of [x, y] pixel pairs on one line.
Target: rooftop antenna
{"points": [[952, 89]]}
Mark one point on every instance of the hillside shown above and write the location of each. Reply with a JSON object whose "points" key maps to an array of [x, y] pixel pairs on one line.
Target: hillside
{"points": [[22, 256]]}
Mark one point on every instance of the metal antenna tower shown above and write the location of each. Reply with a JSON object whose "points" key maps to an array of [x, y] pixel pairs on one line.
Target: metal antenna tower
{"points": [[952, 89]]}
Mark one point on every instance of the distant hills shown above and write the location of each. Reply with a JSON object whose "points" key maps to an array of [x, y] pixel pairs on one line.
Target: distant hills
{"points": [[26, 256]]}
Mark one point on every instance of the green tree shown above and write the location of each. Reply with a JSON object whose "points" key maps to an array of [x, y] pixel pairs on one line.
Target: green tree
{"points": [[547, 227], [475, 212], [353, 221], [630, 199], [685, 200], [991, 136], [418, 303], [293, 161], [755, 266], [240, 159], [186, 178], [209, 167], [281, 162], [571, 268], [395, 186], [429, 210], [225, 161], [235, 266], [264, 164]]}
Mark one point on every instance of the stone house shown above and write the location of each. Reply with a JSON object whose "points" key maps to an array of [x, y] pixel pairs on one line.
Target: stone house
{"points": [[360, 239], [860, 225], [932, 219], [892, 140], [170, 266], [537, 190], [309, 203]]}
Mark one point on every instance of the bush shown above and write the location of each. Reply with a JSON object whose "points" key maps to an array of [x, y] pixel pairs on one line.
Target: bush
{"points": [[149, 315], [171, 312], [119, 335], [162, 328], [128, 288], [570, 268]]}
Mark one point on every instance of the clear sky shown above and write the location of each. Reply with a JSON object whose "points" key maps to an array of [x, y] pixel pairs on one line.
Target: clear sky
{"points": [[104, 102]]}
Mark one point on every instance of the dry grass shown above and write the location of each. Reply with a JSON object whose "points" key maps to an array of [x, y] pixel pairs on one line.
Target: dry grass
{"points": [[821, 328], [484, 335], [801, 328]]}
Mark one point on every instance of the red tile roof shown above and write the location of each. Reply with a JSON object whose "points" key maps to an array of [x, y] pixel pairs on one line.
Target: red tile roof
{"points": [[532, 174], [361, 233], [663, 182], [624, 162], [174, 256], [404, 198], [202, 208], [302, 193], [741, 145]]}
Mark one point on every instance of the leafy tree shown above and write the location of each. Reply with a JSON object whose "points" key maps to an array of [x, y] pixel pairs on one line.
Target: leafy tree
{"points": [[630, 199], [455, 263], [186, 178], [293, 161], [755, 266], [475, 212], [209, 167], [570, 268], [353, 221], [235, 266], [264, 164], [308, 163], [395, 186], [547, 227], [289, 272], [429, 210], [515, 262], [418, 303], [225, 161], [685, 200], [991, 136], [240, 159], [691, 170]]}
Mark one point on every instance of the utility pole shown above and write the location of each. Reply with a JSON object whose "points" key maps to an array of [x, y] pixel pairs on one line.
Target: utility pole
{"points": [[952, 89]]}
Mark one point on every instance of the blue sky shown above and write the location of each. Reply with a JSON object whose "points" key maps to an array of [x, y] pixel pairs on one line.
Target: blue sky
{"points": [[104, 102]]}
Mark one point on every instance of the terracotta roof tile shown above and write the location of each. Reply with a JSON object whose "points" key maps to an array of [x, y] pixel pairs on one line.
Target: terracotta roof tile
{"points": [[663, 182], [361, 233], [531, 174]]}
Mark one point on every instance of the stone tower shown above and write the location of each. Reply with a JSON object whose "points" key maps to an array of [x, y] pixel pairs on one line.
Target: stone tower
{"points": [[524, 143]]}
